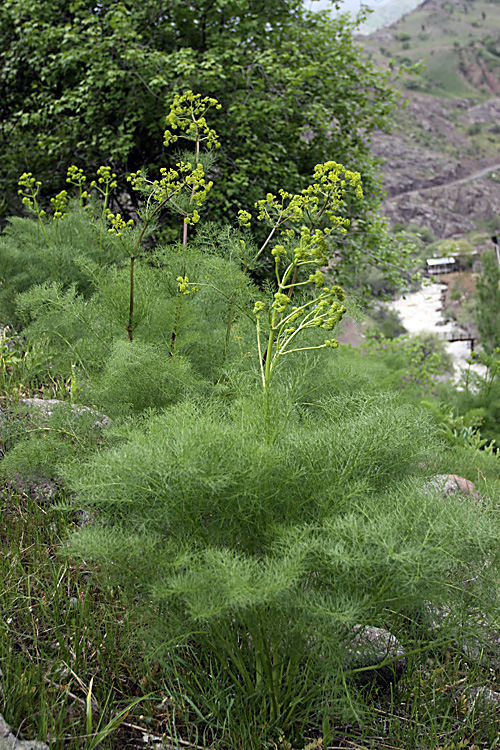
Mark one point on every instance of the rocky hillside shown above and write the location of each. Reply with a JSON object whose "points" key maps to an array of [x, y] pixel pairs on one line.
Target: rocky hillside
{"points": [[387, 13], [442, 163]]}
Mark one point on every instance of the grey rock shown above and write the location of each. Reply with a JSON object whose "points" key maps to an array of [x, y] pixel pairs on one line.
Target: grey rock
{"points": [[481, 697], [371, 647], [8, 741], [46, 406], [37, 488], [452, 484]]}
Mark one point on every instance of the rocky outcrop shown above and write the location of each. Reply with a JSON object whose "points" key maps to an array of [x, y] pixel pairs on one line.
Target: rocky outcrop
{"points": [[9, 741], [429, 174], [379, 656], [408, 166], [447, 209]]}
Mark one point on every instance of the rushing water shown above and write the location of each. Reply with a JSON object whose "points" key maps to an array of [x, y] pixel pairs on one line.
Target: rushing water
{"points": [[421, 312]]}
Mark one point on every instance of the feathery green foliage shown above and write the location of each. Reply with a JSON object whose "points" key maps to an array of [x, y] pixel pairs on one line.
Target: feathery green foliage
{"points": [[252, 554], [251, 531], [26, 259]]}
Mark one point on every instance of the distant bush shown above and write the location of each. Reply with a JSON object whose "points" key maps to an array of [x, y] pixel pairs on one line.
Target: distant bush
{"points": [[424, 233], [398, 227], [412, 85], [388, 322], [474, 129]]}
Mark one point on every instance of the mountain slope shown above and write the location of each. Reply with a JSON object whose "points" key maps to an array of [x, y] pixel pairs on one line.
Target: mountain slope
{"points": [[387, 14], [449, 133]]}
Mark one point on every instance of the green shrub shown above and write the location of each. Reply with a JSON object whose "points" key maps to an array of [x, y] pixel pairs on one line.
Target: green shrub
{"points": [[67, 330], [251, 554], [474, 129], [388, 322], [70, 241], [141, 377]]}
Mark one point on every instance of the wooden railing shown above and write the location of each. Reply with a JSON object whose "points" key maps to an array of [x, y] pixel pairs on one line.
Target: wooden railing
{"points": [[458, 336]]}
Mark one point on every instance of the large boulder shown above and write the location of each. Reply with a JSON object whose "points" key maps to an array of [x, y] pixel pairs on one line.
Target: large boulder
{"points": [[9, 741], [379, 656]]}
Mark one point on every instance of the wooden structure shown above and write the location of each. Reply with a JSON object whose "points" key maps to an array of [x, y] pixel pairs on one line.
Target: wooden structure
{"points": [[458, 336]]}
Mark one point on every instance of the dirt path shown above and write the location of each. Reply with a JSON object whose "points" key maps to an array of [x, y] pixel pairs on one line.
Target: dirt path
{"points": [[461, 181]]}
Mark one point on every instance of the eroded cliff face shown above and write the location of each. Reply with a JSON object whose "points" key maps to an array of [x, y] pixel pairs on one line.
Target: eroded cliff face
{"points": [[432, 171], [440, 164]]}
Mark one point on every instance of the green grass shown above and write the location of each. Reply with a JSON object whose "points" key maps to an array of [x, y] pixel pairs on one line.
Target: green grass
{"points": [[58, 632], [440, 39], [443, 78], [63, 632]]}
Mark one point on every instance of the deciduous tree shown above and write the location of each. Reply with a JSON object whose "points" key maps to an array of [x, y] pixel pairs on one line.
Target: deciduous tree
{"points": [[90, 84], [488, 303]]}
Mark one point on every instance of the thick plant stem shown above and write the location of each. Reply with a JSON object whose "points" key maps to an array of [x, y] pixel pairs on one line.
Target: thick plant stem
{"points": [[185, 226], [228, 329], [269, 352], [131, 300], [267, 371], [130, 326], [267, 384], [43, 230], [175, 328]]}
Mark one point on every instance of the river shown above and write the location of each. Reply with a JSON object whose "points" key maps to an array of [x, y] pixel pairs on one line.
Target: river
{"points": [[421, 312]]}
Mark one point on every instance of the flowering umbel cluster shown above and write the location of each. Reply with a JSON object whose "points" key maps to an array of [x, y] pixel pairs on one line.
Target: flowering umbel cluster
{"points": [[60, 205], [117, 224], [316, 204], [76, 177], [305, 222], [184, 178], [29, 189], [187, 115], [106, 180]]}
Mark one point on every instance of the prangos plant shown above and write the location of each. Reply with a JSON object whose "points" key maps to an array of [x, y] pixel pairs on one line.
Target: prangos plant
{"points": [[306, 224], [158, 194], [259, 513], [187, 114], [184, 188], [29, 189], [251, 562], [304, 248]]}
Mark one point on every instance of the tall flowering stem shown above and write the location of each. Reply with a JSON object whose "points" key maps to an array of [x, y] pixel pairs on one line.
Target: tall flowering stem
{"points": [[29, 189], [158, 194], [187, 115], [304, 223]]}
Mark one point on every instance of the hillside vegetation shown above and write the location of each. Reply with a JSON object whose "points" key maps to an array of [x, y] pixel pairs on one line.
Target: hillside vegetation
{"points": [[439, 162], [221, 529], [457, 43]]}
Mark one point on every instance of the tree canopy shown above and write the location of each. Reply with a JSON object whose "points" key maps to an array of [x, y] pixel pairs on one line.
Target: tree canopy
{"points": [[488, 302], [90, 83]]}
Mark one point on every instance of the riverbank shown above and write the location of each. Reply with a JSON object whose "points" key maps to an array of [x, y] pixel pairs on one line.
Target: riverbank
{"points": [[421, 312]]}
